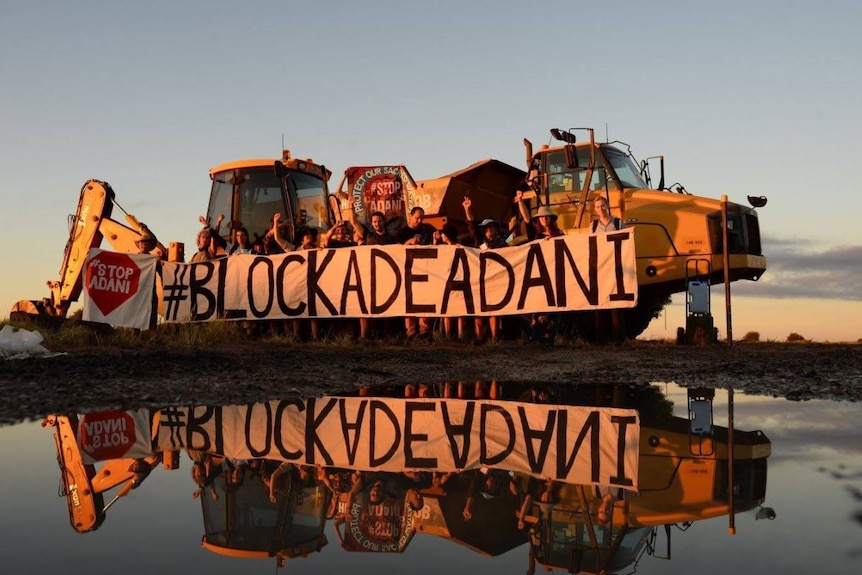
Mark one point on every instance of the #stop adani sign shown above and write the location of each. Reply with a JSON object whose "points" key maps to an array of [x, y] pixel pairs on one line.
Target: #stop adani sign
{"points": [[118, 288], [115, 434]]}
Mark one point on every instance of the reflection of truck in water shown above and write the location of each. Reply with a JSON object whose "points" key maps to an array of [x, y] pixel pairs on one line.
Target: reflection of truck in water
{"points": [[683, 477]]}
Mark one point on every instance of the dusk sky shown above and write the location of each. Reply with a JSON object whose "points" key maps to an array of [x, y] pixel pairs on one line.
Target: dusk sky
{"points": [[742, 98]]}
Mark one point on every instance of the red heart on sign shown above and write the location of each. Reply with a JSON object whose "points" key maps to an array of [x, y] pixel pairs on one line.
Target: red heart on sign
{"points": [[107, 435], [112, 279]]}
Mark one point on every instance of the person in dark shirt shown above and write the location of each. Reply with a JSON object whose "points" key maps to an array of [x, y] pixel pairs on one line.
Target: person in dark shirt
{"points": [[417, 233], [377, 235]]}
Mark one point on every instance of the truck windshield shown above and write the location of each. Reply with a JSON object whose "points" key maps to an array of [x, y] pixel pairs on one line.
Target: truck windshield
{"points": [[256, 194], [310, 207], [624, 167]]}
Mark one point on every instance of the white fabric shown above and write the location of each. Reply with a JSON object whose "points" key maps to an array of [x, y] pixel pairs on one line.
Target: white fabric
{"points": [[568, 273]]}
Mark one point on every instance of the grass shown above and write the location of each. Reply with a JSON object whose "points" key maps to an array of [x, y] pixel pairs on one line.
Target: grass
{"points": [[74, 335]]}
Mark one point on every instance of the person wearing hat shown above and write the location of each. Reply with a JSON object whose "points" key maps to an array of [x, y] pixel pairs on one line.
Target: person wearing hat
{"points": [[488, 237], [147, 242], [544, 223]]}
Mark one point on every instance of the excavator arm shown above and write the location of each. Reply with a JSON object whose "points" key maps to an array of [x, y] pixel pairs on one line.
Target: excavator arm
{"points": [[87, 228], [83, 485]]}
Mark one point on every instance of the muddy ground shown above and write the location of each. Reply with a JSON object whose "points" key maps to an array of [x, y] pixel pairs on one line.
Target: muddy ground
{"points": [[97, 378]]}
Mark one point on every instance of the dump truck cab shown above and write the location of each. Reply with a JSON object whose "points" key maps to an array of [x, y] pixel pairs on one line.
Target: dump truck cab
{"points": [[249, 192], [671, 226]]}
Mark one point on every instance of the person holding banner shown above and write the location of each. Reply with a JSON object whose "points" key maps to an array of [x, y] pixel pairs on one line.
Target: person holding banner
{"points": [[210, 244], [417, 233], [486, 236], [307, 241], [544, 226]]}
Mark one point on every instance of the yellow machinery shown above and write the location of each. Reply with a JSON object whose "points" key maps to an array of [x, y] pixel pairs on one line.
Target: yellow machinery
{"points": [[683, 477], [672, 227], [249, 192], [90, 224]]}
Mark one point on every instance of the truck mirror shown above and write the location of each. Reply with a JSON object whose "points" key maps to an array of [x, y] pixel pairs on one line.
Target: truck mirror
{"points": [[280, 170]]}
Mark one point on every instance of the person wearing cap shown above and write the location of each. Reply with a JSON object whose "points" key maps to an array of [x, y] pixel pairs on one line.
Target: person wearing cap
{"points": [[544, 223], [488, 237], [147, 243]]}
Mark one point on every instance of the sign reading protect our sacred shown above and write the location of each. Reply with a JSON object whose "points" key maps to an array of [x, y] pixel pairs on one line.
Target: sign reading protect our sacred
{"points": [[579, 272], [569, 444]]}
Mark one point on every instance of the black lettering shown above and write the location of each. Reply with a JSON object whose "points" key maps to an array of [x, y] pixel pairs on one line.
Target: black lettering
{"points": [[353, 271], [409, 437], [462, 430], [562, 254], [267, 266], [623, 421], [506, 267], [355, 426], [312, 422], [381, 406], [280, 418], [537, 259], [282, 285], [314, 274], [484, 457], [196, 434], [221, 265], [564, 466], [620, 294], [378, 254], [267, 442], [537, 462], [410, 278], [197, 283], [459, 265]]}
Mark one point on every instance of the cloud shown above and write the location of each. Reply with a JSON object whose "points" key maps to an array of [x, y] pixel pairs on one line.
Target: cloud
{"points": [[797, 268]]}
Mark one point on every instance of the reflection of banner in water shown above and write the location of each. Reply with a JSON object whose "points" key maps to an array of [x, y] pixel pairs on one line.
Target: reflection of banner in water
{"points": [[570, 444], [568, 273]]}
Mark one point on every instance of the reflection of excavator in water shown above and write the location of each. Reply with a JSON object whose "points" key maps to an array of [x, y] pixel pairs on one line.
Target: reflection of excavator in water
{"points": [[90, 224], [85, 486]]}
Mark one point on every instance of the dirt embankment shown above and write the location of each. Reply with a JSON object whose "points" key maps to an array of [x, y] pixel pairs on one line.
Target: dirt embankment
{"points": [[99, 378]]}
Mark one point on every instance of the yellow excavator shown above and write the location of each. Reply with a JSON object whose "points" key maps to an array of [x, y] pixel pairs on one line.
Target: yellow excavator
{"points": [[88, 227]]}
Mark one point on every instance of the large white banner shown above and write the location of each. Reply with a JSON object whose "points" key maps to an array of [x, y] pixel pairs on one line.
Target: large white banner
{"points": [[568, 273], [119, 288], [581, 445]]}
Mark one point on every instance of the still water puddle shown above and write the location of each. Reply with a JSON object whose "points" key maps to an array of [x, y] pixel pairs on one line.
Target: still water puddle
{"points": [[572, 478]]}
